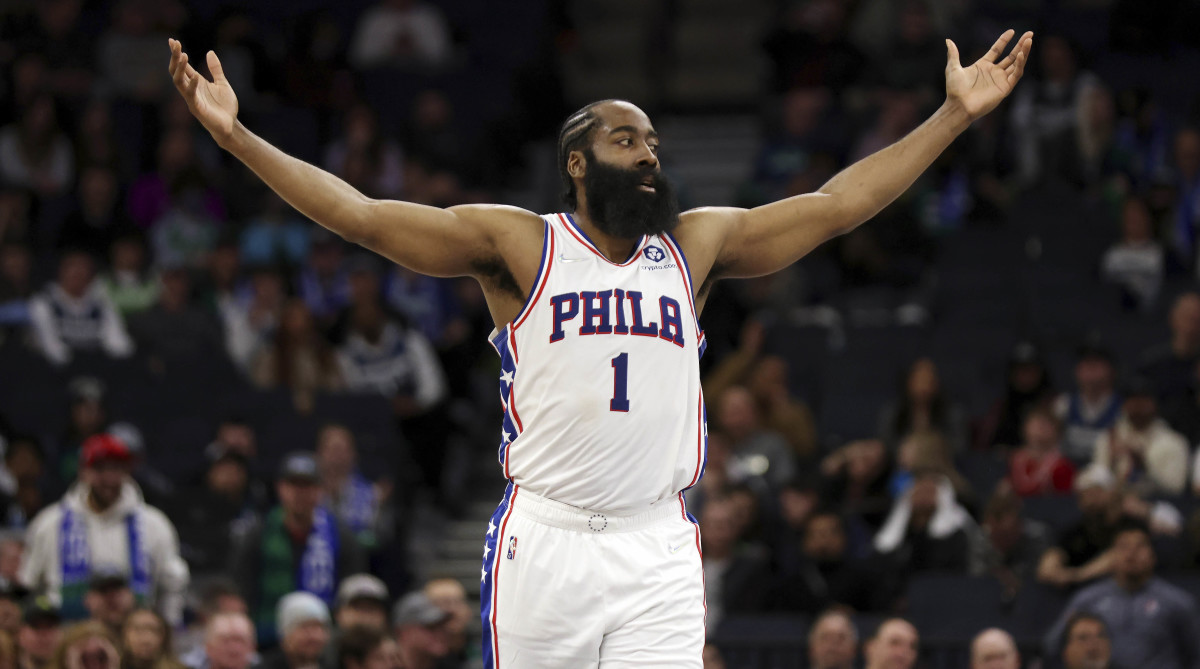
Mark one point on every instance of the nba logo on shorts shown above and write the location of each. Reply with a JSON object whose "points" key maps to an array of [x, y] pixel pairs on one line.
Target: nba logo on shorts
{"points": [[512, 547]]}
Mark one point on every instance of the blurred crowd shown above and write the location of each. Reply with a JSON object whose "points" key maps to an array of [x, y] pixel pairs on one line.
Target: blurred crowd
{"points": [[132, 248]]}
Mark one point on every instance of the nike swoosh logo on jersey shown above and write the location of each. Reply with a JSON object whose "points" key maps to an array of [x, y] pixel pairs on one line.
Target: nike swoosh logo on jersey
{"points": [[675, 549], [566, 259]]}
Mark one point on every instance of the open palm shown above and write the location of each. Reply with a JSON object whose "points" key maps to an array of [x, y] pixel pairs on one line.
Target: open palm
{"points": [[980, 87], [212, 102]]}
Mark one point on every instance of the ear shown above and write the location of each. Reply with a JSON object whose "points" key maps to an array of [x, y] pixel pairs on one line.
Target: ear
{"points": [[576, 164]]}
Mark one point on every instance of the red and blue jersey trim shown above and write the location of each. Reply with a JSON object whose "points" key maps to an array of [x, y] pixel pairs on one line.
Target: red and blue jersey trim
{"points": [[490, 574], [681, 262], [539, 282], [575, 231]]}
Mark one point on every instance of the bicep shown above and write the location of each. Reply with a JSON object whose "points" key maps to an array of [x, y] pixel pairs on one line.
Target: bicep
{"points": [[767, 239]]}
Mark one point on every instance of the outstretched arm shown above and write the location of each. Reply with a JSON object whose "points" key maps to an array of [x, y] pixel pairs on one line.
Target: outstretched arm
{"points": [[768, 238], [429, 240]]}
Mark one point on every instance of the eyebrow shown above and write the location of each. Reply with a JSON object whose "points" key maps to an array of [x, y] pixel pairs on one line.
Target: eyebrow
{"points": [[629, 128]]}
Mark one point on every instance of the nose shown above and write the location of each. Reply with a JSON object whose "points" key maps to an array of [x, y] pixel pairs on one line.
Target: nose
{"points": [[646, 157]]}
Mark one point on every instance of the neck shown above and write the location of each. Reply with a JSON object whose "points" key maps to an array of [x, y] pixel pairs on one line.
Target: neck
{"points": [[616, 249], [96, 504], [1132, 582]]}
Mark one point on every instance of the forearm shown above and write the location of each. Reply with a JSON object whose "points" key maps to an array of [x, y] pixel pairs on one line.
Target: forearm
{"points": [[317, 194], [866, 187], [1098, 566]]}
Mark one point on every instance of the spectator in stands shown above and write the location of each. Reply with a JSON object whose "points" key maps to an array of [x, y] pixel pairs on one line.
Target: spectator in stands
{"points": [[1137, 262], [893, 646], [402, 33], [994, 648], [1171, 366], [735, 576], [1141, 450], [323, 282], [1082, 552], [87, 645], [765, 376], [1028, 387], [208, 513], [298, 359], [157, 488], [175, 330], [750, 442], [832, 640], [35, 153], [213, 596], [1186, 207], [922, 404], [277, 235], [1152, 623], [855, 480], [73, 314], [361, 136], [98, 217], [1038, 467], [302, 625], [366, 648], [146, 642], [10, 608], [187, 232], [298, 546], [927, 529], [1013, 545], [360, 505], [712, 657], [228, 643], [926, 449], [16, 285], [448, 594], [41, 630], [824, 573], [1086, 644], [1045, 115], [429, 303], [362, 601], [1092, 407], [419, 627], [807, 145], [127, 283], [88, 416], [809, 46], [109, 600], [251, 317], [25, 463], [105, 524]]}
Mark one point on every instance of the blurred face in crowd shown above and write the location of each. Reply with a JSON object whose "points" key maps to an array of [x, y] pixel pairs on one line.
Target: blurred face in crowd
{"points": [[16, 263], [297, 321], [865, 460], [39, 639], [1058, 62], [894, 646], [712, 657], [239, 438], [299, 498], [832, 642], [223, 265], [106, 479], [1095, 501], [1087, 645], [923, 500], [10, 616], [1133, 557], [768, 380], [994, 649], [228, 477], [1141, 410], [1187, 152], [110, 605], [1137, 225], [75, 274], [1041, 433], [923, 382], [362, 612], [127, 255], [423, 642], [1026, 377], [97, 191], [229, 641], [87, 416], [1094, 376], [738, 415], [796, 506], [719, 528], [92, 652], [825, 538], [382, 656], [335, 452], [144, 636], [305, 641], [1003, 530], [449, 596], [1185, 322]]}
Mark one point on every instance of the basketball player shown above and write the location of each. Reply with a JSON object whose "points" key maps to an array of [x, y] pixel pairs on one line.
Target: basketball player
{"points": [[591, 560]]}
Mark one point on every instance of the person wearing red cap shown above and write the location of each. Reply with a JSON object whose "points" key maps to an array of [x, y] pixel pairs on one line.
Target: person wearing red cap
{"points": [[103, 524]]}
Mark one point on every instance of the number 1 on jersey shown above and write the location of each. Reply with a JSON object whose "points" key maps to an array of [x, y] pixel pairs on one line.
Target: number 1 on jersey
{"points": [[620, 400]]}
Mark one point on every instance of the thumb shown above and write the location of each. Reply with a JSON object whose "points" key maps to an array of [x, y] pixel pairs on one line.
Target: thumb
{"points": [[951, 56], [214, 67]]}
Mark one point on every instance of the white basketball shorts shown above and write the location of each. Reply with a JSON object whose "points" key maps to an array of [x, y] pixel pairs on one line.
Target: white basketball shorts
{"points": [[567, 588]]}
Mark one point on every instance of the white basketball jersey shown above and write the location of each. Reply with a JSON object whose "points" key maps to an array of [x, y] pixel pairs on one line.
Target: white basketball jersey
{"points": [[600, 376]]}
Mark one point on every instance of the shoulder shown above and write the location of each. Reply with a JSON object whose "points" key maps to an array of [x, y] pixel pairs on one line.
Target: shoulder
{"points": [[498, 217], [706, 224], [47, 520]]}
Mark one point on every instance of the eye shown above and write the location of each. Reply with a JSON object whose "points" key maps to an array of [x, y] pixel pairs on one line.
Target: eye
{"points": [[626, 141]]}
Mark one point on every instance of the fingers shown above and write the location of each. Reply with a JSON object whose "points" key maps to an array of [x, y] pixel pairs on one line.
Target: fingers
{"points": [[1023, 43], [998, 47], [952, 62], [1022, 57], [185, 76], [214, 67]]}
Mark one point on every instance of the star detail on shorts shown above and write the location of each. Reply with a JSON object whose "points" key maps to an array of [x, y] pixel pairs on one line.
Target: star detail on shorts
{"points": [[486, 549], [506, 377], [491, 528], [482, 575], [507, 437]]}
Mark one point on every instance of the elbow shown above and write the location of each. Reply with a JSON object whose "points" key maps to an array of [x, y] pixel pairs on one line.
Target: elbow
{"points": [[355, 224]]}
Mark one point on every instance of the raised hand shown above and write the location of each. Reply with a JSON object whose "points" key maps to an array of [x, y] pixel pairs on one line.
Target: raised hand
{"points": [[980, 87], [212, 102]]}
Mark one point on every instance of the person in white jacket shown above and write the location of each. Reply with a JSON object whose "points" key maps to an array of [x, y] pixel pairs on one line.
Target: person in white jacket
{"points": [[1141, 449], [102, 523], [75, 314]]}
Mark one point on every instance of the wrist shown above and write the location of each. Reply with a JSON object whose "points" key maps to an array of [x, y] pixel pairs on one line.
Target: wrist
{"points": [[955, 115], [234, 140]]}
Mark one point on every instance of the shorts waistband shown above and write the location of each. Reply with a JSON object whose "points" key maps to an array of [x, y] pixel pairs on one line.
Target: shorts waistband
{"points": [[585, 521]]}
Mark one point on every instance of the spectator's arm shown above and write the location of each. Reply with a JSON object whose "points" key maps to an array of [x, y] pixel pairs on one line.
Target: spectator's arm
{"points": [[1052, 568], [41, 541], [171, 572], [113, 336], [45, 332], [430, 380], [1101, 565], [1168, 464]]}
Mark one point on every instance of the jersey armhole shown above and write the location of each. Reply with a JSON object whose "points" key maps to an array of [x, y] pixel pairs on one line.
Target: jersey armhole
{"points": [[543, 273], [686, 271]]}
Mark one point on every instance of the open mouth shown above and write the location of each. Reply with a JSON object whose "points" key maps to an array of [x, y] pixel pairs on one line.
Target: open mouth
{"points": [[647, 184]]}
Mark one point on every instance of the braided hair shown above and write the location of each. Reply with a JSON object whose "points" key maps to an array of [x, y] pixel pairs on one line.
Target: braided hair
{"points": [[575, 134]]}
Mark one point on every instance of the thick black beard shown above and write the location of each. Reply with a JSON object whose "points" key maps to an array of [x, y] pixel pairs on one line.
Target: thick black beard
{"points": [[620, 209]]}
